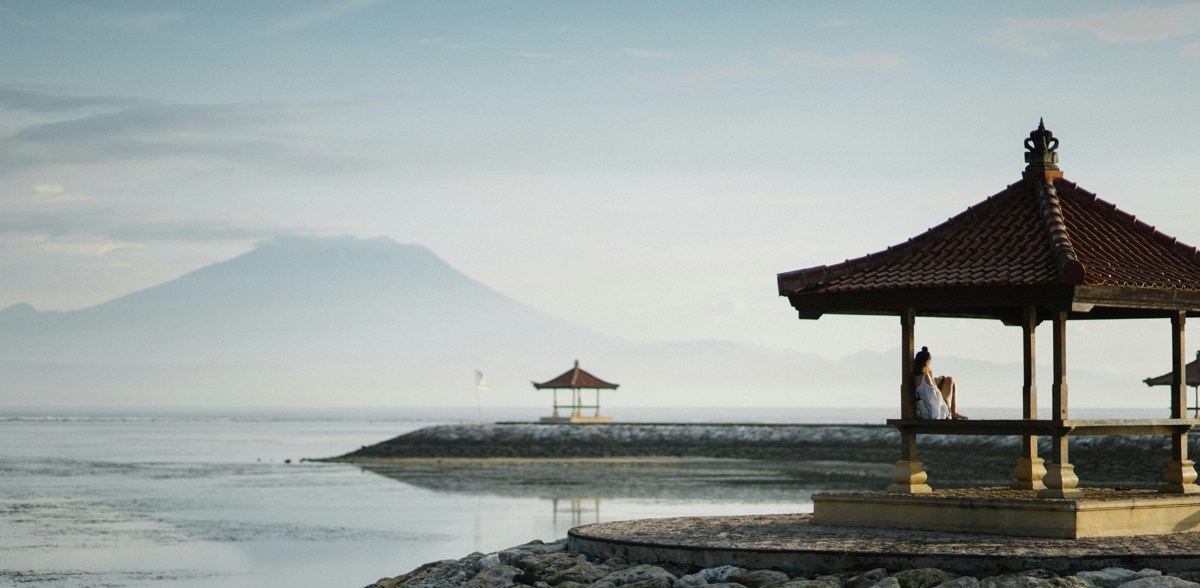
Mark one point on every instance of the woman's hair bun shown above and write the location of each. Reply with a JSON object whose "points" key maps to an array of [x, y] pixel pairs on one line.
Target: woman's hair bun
{"points": [[925, 349]]}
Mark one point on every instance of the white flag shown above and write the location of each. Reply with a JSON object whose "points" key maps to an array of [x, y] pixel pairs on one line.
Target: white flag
{"points": [[480, 383]]}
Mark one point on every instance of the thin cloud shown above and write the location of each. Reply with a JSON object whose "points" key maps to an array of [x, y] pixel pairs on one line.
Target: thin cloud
{"points": [[144, 23], [1040, 37], [837, 23], [1190, 50], [26, 99], [239, 134], [645, 54], [108, 225], [852, 61], [732, 72], [321, 15], [532, 55], [57, 194]]}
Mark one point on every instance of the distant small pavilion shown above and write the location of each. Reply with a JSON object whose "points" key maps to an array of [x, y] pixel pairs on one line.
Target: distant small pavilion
{"points": [[1193, 380], [1042, 249], [576, 380]]}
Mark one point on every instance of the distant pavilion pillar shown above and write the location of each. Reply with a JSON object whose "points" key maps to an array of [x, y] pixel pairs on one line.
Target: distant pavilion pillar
{"points": [[1030, 468], [1180, 477], [908, 475]]}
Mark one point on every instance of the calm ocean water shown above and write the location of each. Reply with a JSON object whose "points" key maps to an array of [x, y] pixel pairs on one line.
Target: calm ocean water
{"points": [[209, 498]]}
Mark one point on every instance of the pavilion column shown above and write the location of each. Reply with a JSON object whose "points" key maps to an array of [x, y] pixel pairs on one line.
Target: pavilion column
{"points": [[908, 475], [1180, 477], [1060, 479], [1030, 468]]}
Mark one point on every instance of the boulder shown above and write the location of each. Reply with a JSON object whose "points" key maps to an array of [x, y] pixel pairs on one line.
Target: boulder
{"points": [[500, 576], [1028, 579], [758, 578], [584, 573], [546, 565], [442, 574], [637, 574], [819, 583], [512, 555], [717, 575], [1113, 577], [922, 577], [866, 579], [690, 581], [888, 582], [654, 582], [1159, 581], [961, 582]]}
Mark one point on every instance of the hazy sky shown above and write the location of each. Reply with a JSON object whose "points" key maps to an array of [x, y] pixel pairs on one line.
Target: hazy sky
{"points": [[640, 168]]}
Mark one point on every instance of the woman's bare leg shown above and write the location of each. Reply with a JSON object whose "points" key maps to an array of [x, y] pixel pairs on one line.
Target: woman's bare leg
{"points": [[950, 394]]}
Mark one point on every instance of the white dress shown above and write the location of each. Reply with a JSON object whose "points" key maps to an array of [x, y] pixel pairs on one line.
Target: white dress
{"points": [[930, 404]]}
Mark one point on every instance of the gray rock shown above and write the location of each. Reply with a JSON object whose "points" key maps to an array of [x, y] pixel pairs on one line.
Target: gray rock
{"points": [[717, 575], [546, 565], [1189, 576], [690, 581], [570, 585], [922, 577], [654, 582], [512, 555], [961, 582], [637, 574], [1021, 580], [1113, 577], [1071, 582], [584, 573], [1159, 581], [500, 576], [441, 574], [758, 578], [818, 583], [726, 585], [866, 579], [888, 582], [487, 561]]}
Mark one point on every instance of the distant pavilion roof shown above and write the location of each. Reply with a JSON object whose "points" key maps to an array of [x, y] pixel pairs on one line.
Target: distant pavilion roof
{"points": [[1043, 241], [573, 379], [1192, 371]]}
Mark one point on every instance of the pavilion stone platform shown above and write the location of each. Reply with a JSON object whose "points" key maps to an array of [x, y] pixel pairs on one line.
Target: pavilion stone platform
{"points": [[1021, 513], [574, 419], [794, 543]]}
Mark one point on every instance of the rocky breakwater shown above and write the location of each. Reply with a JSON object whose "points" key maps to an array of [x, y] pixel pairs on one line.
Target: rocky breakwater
{"points": [[952, 461], [552, 565]]}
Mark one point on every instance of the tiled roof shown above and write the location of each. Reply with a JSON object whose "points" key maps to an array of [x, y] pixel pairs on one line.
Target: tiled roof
{"points": [[1042, 230], [1191, 371], [575, 378]]}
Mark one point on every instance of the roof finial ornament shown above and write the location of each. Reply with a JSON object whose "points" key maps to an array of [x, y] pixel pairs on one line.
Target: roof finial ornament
{"points": [[1041, 149]]}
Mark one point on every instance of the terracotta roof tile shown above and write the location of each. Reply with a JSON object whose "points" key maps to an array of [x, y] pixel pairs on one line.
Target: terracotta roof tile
{"points": [[1035, 232], [575, 378]]}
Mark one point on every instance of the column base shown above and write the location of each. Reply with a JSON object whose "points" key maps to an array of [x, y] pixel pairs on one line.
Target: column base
{"points": [[1029, 474], [1061, 493], [1061, 482], [1169, 488], [908, 477]]}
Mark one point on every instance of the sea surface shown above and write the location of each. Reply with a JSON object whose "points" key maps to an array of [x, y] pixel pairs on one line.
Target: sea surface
{"points": [[223, 498]]}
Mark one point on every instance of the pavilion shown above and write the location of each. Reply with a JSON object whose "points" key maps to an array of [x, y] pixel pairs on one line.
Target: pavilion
{"points": [[1193, 380], [576, 380], [1041, 250]]}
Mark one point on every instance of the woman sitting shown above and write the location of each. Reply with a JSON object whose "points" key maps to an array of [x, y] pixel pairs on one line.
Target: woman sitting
{"points": [[937, 398]]}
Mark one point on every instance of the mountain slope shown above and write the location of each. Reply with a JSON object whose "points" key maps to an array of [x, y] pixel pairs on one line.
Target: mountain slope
{"points": [[297, 300]]}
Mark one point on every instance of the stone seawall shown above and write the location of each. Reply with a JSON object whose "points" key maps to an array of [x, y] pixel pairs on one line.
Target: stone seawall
{"points": [[1134, 461]]}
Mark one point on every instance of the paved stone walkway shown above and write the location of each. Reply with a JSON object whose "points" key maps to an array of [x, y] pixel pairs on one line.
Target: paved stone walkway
{"points": [[792, 542]]}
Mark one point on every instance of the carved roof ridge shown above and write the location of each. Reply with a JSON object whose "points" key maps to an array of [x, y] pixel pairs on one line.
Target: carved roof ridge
{"points": [[1070, 270]]}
